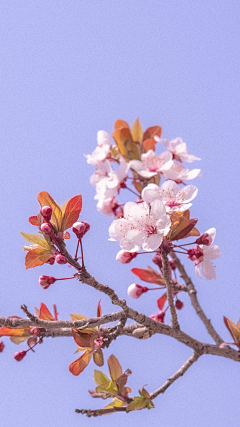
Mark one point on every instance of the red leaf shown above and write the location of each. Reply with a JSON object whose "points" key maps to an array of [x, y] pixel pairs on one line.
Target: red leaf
{"points": [[34, 220], [99, 309], [44, 313], [72, 211], [82, 339], [149, 276], [161, 301], [152, 131], [149, 144], [81, 363]]}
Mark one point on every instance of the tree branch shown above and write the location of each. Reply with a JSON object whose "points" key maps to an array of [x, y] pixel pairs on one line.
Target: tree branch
{"points": [[193, 295], [194, 357], [174, 320]]}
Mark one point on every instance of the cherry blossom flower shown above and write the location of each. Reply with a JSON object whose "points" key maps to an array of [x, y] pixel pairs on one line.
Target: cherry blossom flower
{"points": [[125, 257], [207, 238], [175, 199], [110, 184], [179, 173], [101, 152], [142, 226], [178, 149], [203, 265], [151, 164]]}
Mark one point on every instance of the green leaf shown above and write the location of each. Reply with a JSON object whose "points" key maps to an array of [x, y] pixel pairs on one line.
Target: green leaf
{"points": [[99, 377], [144, 393], [150, 405], [137, 404], [38, 240], [115, 368], [108, 387], [116, 402]]}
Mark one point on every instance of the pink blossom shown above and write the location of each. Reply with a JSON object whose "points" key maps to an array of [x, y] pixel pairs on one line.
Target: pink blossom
{"points": [[207, 238], [125, 257], [175, 199], [203, 265], [101, 152], [178, 148], [142, 226], [108, 186], [151, 164], [179, 173]]}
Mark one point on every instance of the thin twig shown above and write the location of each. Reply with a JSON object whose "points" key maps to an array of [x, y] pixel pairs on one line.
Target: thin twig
{"points": [[97, 412], [177, 374], [174, 320], [193, 295]]}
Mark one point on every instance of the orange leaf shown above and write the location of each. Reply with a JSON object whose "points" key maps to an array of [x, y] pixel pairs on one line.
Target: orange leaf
{"points": [[37, 257], [149, 276], [233, 329], [115, 368], [72, 211], [46, 200], [66, 235], [14, 332], [122, 137], [81, 363], [120, 124], [44, 313], [149, 144], [82, 339], [137, 132], [161, 301], [152, 131], [98, 357], [34, 220]]}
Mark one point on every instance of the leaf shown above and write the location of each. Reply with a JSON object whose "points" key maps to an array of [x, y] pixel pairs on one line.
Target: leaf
{"points": [[18, 340], [137, 132], [34, 220], [80, 364], [122, 136], [149, 276], [99, 377], [120, 124], [14, 332], [99, 309], [82, 339], [149, 144], [66, 235], [233, 329], [144, 393], [72, 212], [181, 225], [37, 257], [121, 381], [46, 200], [44, 313], [161, 301], [116, 402], [98, 357], [38, 240], [109, 387], [150, 405], [115, 368], [137, 404], [152, 131], [133, 150], [77, 317]]}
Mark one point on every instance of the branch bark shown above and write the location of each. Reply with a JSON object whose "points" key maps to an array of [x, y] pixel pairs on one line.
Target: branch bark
{"points": [[174, 319]]}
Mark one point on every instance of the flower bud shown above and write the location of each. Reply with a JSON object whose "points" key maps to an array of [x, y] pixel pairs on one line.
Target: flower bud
{"points": [[46, 228], [179, 304], [159, 317], [60, 259], [2, 345], [51, 260], [135, 291], [205, 239], [194, 253], [125, 257], [80, 228], [158, 260], [172, 265], [19, 355], [46, 281], [46, 212]]}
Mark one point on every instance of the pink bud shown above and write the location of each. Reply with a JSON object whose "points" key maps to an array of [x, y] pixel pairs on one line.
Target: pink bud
{"points": [[19, 355], [60, 259], [125, 257], [172, 265], [158, 260], [205, 239], [2, 345], [46, 228], [179, 304], [79, 228], [51, 260], [135, 291], [87, 226], [46, 212], [46, 281], [159, 317], [194, 253]]}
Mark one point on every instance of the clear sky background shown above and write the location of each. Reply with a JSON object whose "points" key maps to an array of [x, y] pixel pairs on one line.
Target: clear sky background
{"points": [[69, 69]]}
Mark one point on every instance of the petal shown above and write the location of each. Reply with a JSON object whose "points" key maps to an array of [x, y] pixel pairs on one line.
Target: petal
{"points": [[151, 193], [189, 192], [103, 138], [208, 270], [152, 242], [210, 252]]}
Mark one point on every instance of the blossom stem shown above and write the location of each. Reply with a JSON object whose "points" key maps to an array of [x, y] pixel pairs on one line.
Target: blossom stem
{"points": [[82, 252], [76, 251], [131, 190], [66, 278]]}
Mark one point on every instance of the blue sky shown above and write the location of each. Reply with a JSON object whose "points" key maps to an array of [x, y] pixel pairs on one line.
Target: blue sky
{"points": [[69, 69]]}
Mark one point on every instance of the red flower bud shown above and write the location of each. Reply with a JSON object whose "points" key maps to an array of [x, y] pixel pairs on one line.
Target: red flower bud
{"points": [[135, 291], [46, 281], [158, 260], [80, 228], [19, 355], [51, 260], [159, 317], [60, 259], [194, 253], [2, 345], [46, 212], [179, 304], [125, 257], [46, 228], [205, 239]]}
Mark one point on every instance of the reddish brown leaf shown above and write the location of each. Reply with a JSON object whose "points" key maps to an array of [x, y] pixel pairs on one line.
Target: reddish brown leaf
{"points": [[115, 368], [99, 309], [46, 200], [120, 124], [37, 257], [152, 131], [72, 211], [149, 276], [81, 363], [122, 137], [66, 235], [82, 339], [161, 301], [44, 313], [34, 220], [149, 144], [233, 329], [98, 357]]}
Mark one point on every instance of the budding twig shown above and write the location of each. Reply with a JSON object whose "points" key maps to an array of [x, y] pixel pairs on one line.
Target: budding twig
{"points": [[174, 320]]}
